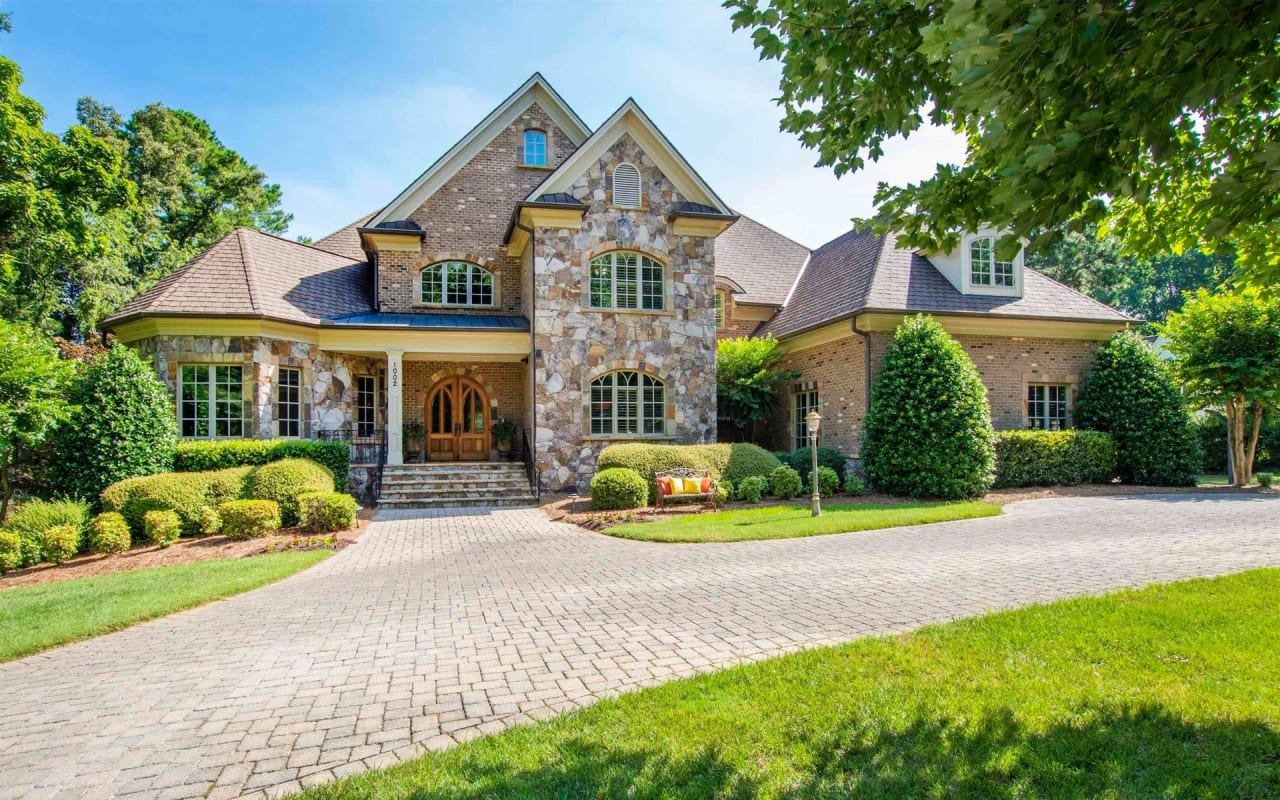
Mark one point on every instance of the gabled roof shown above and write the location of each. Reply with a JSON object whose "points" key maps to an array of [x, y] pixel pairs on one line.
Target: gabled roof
{"points": [[255, 274], [760, 260], [534, 90], [631, 119], [861, 271], [346, 240]]}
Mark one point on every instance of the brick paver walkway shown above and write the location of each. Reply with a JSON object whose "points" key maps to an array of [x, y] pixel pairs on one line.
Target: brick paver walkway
{"points": [[438, 627]]}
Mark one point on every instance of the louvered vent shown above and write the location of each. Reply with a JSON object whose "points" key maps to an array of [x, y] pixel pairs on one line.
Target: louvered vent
{"points": [[626, 186]]}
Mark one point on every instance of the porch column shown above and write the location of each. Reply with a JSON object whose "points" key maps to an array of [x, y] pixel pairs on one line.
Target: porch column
{"points": [[395, 406]]}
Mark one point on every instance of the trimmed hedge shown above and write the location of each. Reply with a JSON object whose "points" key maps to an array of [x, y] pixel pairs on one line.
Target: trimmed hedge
{"points": [[10, 551], [34, 517], [802, 461], [1053, 458], [60, 543], [327, 512], [248, 519], [731, 462], [108, 534], [283, 481], [186, 493], [785, 483], [618, 488], [204, 456], [162, 527]]}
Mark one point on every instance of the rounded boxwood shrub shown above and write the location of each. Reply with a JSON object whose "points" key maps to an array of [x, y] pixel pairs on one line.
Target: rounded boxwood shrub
{"points": [[744, 460], [108, 534], [753, 489], [785, 483], [828, 482], [210, 521], [123, 425], [802, 461], [928, 433], [731, 462], [327, 512], [31, 519], [60, 543], [248, 519], [854, 484], [618, 488], [162, 528], [10, 551], [186, 493], [283, 481], [204, 456], [1130, 394], [1053, 458]]}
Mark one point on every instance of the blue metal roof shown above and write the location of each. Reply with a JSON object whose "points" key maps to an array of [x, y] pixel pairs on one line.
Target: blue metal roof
{"points": [[485, 322]]}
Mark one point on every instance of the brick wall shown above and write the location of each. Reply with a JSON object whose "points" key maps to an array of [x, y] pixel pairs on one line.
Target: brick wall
{"points": [[505, 383], [734, 326], [467, 218]]}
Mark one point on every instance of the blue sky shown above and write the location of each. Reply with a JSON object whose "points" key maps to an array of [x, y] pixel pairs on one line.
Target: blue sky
{"points": [[345, 103]]}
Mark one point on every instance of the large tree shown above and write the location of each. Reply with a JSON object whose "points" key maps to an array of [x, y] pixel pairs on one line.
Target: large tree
{"points": [[1157, 119], [33, 400], [747, 380], [1226, 350]]}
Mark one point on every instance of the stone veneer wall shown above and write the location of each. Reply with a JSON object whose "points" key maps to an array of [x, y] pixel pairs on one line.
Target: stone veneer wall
{"points": [[1006, 364], [467, 218], [578, 343], [328, 398]]}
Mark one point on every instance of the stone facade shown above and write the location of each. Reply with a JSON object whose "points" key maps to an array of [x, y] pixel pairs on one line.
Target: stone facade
{"points": [[574, 344], [467, 218], [1006, 364]]}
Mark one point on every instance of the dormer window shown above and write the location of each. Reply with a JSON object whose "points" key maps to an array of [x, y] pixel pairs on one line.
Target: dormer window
{"points": [[535, 148], [985, 272], [626, 186]]}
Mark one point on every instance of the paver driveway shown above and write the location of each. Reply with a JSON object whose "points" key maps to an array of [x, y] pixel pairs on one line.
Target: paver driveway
{"points": [[441, 626]]}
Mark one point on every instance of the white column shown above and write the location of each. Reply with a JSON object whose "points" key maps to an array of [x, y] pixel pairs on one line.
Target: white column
{"points": [[395, 406]]}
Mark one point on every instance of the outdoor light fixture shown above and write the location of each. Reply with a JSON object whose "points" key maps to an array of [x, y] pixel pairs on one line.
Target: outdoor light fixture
{"points": [[813, 423]]}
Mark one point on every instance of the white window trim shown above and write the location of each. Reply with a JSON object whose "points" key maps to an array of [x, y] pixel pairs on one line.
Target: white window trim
{"points": [[524, 148], [213, 422], [966, 268], [795, 407], [418, 286], [278, 404], [721, 307], [355, 404], [613, 186], [612, 255], [640, 418], [1070, 392]]}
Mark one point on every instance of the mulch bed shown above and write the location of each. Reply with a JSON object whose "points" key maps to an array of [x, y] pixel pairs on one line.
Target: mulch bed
{"points": [[563, 508], [183, 551]]}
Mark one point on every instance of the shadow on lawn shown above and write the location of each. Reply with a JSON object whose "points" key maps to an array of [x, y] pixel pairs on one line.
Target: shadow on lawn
{"points": [[1103, 752]]}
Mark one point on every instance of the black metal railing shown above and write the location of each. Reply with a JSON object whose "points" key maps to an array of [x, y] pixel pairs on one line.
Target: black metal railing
{"points": [[368, 449], [530, 466]]}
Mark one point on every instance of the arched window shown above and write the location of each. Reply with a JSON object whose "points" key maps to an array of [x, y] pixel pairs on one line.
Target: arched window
{"points": [[626, 186], [535, 148], [457, 283], [627, 280], [986, 269], [627, 403]]}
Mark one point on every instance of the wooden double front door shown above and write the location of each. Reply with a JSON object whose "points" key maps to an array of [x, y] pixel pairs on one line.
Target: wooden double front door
{"points": [[457, 415]]}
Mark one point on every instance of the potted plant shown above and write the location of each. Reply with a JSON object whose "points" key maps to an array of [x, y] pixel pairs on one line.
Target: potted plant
{"points": [[413, 433], [504, 431]]}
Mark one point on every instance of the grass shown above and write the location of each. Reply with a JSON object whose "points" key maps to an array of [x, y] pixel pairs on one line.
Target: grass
{"points": [[786, 522], [1167, 692], [1212, 480], [35, 618]]}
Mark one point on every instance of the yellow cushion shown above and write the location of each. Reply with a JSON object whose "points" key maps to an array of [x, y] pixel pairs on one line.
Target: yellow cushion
{"points": [[691, 486]]}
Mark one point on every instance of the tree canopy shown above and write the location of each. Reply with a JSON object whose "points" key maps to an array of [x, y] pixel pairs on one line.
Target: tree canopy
{"points": [[1157, 120], [33, 400], [747, 380]]}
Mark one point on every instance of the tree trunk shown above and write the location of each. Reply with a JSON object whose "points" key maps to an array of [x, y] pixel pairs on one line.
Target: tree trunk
{"points": [[1236, 436], [6, 491], [1253, 441]]}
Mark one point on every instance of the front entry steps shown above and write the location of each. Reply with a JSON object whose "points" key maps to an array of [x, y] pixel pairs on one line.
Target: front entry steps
{"points": [[454, 484]]}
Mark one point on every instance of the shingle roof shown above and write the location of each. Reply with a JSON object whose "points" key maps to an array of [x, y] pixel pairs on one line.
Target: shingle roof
{"points": [[760, 260], [346, 240], [862, 271], [248, 272]]}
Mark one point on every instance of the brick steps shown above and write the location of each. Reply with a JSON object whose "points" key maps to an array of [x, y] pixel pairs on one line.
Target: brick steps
{"points": [[455, 485]]}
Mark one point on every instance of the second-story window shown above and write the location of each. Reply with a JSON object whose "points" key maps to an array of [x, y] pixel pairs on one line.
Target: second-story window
{"points": [[985, 268], [628, 281], [535, 148], [720, 309], [457, 283]]}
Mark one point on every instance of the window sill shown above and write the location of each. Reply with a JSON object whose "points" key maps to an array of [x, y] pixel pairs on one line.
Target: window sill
{"points": [[455, 307], [612, 207], [629, 437], [536, 167]]}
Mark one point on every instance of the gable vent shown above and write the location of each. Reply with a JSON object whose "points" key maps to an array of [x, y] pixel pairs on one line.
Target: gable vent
{"points": [[626, 186]]}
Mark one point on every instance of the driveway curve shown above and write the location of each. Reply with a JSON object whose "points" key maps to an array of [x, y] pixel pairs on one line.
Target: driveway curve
{"points": [[440, 626]]}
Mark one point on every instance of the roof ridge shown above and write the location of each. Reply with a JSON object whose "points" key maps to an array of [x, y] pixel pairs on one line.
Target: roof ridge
{"points": [[245, 258], [771, 229], [296, 243]]}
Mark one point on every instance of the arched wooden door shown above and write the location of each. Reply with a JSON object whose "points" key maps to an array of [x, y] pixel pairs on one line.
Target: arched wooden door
{"points": [[457, 415]]}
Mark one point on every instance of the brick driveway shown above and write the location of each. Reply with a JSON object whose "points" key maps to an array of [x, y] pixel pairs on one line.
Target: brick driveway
{"points": [[437, 627]]}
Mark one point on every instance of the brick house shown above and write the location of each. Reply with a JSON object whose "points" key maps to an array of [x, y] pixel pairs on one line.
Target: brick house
{"points": [[572, 283]]}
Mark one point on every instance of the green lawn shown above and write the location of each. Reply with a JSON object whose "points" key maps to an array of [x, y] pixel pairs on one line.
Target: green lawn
{"points": [[1168, 692], [786, 522], [35, 618], [1212, 480]]}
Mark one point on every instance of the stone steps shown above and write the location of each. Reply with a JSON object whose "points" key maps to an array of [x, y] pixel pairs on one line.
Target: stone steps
{"points": [[455, 485]]}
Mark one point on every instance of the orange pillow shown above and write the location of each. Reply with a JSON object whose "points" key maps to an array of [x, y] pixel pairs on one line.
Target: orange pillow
{"points": [[706, 485], [664, 486], [691, 485]]}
